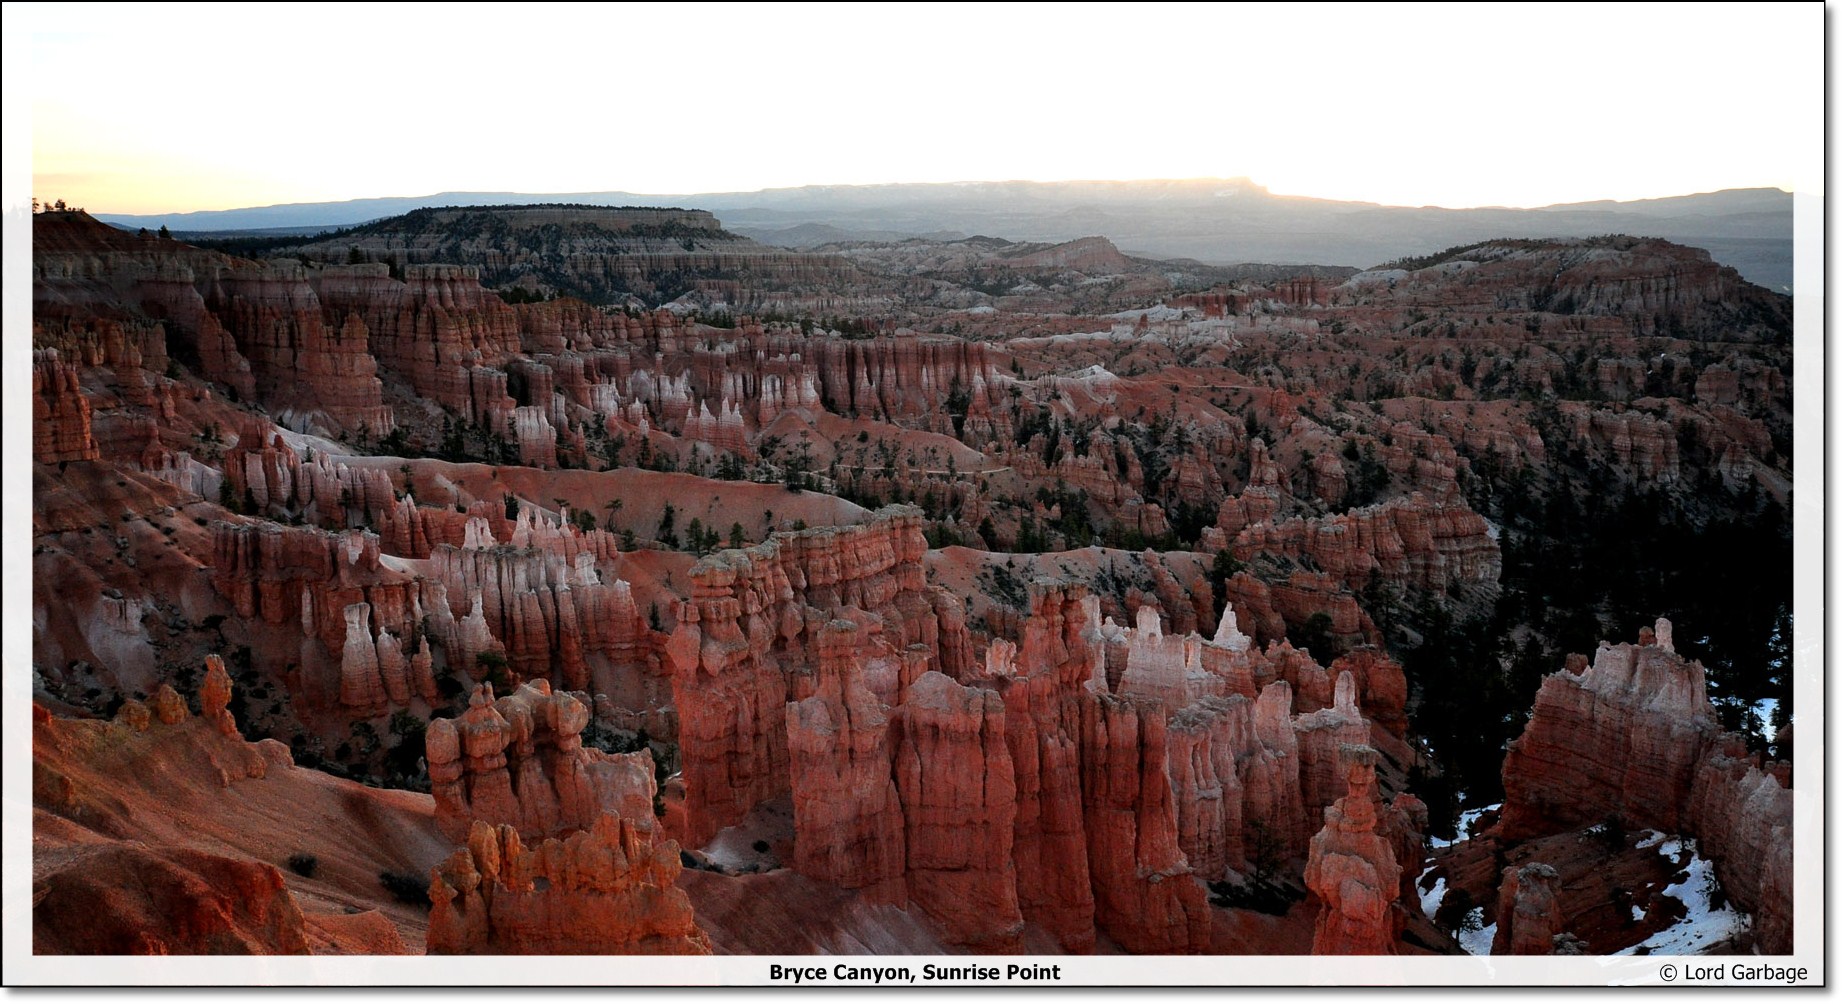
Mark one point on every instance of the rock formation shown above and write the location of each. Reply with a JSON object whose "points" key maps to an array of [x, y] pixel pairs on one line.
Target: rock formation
{"points": [[1248, 751], [1527, 916], [959, 800], [1413, 541], [747, 627], [1019, 760], [1381, 687], [1166, 668], [1625, 737], [1145, 897], [519, 761], [845, 806], [315, 372], [432, 329], [543, 600], [122, 866], [214, 697], [277, 481], [606, 890], [1352, 868], [1322, 735], [1633, 737], [1042, 726], [60, 412], [1743, 818], [128, 899]]}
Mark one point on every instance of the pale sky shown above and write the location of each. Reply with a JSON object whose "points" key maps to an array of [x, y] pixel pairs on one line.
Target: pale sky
{"points": [[162, 108]]}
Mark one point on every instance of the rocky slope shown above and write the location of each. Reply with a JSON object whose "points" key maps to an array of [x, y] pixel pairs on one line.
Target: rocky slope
{"points": [[164, 831]]}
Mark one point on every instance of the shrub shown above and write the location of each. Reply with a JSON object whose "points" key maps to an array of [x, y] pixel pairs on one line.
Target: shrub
{"points": [[1610, 832], [303, 864], [1257, 893], [1714, 891], [406, 888]]}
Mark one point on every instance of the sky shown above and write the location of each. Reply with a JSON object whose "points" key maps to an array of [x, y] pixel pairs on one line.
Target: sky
{"points": [[174, 107]]}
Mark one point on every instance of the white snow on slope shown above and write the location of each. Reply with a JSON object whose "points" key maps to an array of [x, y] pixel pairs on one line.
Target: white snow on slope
{"points": [[1703, 926], [1476, 941], [1466, 820], [1431, 898]]}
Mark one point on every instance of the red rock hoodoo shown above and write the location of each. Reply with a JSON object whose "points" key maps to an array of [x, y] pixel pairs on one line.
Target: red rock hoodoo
{"points": [[1353, 869], [519, 761], [606, 890]]}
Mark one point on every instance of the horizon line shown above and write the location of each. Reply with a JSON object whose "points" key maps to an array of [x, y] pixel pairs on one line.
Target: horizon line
{"points": [[1236, 179]]}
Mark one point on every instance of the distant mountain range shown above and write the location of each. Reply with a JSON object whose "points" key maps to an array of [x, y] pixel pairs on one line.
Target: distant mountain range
{"points": [[1215, 221]]}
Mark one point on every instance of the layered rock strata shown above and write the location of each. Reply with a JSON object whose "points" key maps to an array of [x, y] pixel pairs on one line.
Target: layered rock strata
{"points": [[1144, 895], [1412, 541], [1625, 737], [60, 412]]}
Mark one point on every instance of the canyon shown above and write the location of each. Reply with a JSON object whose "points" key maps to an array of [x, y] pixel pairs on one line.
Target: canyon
{"points": [[607, 582]]}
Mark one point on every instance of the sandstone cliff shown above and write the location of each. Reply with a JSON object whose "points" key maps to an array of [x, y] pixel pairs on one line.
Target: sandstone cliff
{"points": [[746, 631], [845, 806], [1625, 736]]}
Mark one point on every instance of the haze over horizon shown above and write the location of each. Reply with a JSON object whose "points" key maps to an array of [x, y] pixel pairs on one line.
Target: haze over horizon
{"points": [[1361, 107], [968, 182]]}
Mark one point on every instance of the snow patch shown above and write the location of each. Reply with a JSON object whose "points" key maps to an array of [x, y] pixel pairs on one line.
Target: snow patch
{"points": [[1472, 937], [1466, 820], [1431, 898], [1703, 926]]}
